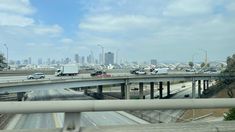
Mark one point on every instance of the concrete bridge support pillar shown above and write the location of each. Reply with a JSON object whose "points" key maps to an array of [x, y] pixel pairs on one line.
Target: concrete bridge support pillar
{"points": [[127, 90], [207, 84], [100, 90], [72, 122], [20, 96], [193, 89], [199, 88], [204, 85], [168, 88], [160, 90], [85, 91], [123, 91], [141, 90], [151, 90]]}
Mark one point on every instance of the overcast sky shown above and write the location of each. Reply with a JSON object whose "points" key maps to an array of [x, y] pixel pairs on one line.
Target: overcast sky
{"points": [[168, 30]]}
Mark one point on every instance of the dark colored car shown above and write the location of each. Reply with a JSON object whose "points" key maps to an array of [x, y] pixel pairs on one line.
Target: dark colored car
{"points": [[134, 71], [96, 73]]}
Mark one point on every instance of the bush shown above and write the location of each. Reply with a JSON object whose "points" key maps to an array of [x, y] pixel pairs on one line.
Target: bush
{"points": [[230, 115]]}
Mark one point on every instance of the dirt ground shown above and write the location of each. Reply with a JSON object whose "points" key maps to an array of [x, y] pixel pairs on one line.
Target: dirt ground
{"points": [[189, 114]]}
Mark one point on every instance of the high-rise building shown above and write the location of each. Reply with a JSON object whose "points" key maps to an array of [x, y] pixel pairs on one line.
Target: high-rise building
{"points": [[76, 58], [109, 58], [89, 59], [100, 59], [30, 60], [83, 60], [48, 61], [153, 62], [40, 61]]}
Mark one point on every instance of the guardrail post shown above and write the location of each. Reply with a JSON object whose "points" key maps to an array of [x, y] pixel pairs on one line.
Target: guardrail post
{"points": [[72, 122]]}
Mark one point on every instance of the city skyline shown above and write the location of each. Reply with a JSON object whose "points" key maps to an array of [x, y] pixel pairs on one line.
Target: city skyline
{"points": [[166, 30]]}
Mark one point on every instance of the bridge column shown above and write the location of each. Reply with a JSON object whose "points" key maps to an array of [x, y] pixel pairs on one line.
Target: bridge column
{"points": [[123, 91], [207, 84], [199, 88], [193, 88], [85, 91], [72, 122], [141, 90], [151, 90], [204, 85], [20, 96], [100, 89], [160, 90], [127, 90], [168, 88]]}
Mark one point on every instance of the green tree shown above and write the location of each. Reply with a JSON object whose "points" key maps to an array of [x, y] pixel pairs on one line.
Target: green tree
{"points": [[230, 115], [203, 64], [191, 64], [3, 63], [230, 64]]}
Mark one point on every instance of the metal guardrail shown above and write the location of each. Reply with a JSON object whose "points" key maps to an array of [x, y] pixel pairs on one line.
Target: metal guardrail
{"points": [[72, 109]]}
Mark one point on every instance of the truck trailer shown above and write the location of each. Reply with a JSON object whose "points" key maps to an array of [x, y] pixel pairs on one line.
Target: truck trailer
{"points": [[160, 71], [67, 70]]}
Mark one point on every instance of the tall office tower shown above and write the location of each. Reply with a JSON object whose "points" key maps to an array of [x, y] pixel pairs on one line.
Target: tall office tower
{"points": [[109, 58]]}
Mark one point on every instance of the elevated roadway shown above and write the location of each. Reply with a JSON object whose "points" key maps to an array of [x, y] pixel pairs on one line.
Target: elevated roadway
{"points": [[62, 83]]}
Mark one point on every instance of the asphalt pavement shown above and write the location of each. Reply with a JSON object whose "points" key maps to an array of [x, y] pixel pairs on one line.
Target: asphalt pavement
{"points": [[52, 120]]}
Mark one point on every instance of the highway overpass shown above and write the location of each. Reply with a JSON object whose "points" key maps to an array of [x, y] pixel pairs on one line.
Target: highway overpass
{"points": [[123, 81]]}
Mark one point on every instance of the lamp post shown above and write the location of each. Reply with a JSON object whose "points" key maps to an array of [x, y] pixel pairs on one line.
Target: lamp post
{"points": [[193, 58], [206, 59], [7, 54], [102, 56]]}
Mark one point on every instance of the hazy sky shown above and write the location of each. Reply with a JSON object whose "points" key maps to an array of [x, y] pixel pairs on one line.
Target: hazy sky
{"points": [[171, 30]]}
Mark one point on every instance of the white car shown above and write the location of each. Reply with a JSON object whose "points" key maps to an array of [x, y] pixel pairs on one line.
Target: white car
{"points": [[36, 76], [140, 73]]}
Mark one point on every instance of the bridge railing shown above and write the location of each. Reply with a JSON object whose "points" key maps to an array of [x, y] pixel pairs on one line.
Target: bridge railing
{"points": [[73, 109]]}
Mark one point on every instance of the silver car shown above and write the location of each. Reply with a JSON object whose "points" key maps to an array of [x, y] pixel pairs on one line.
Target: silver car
{"points": [[36, 76]]}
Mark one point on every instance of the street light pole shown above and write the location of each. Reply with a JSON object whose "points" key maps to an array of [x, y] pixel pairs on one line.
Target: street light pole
{"points": [[7, 54], [206, 59], [102, 58], [193, 57]]}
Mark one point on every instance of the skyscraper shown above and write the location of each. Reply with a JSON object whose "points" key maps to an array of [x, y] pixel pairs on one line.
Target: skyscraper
{"points": [[153, 62], [109, 58], [40, 61], [30, 60], [76, 58]]}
